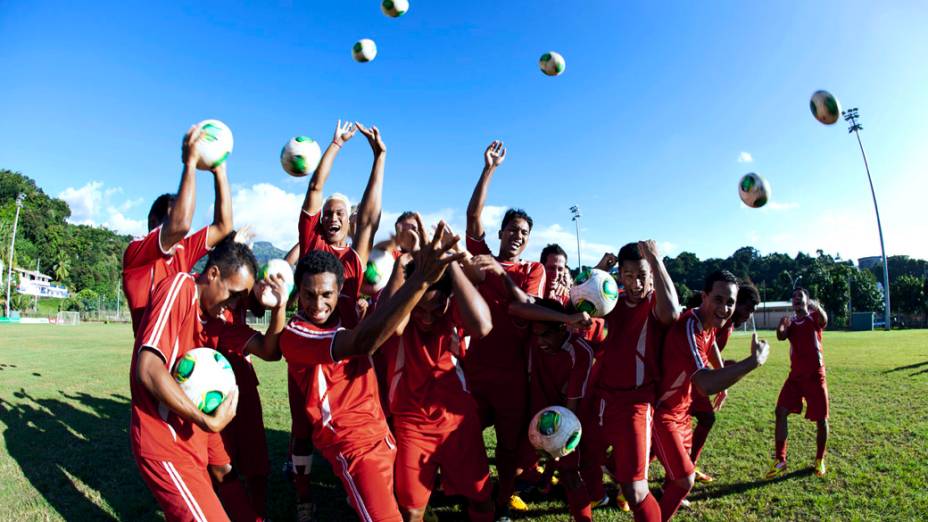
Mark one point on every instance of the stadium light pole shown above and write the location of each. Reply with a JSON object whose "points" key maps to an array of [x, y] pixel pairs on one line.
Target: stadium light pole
{"points": [[9, 273], [851, 117], [575, 217]]}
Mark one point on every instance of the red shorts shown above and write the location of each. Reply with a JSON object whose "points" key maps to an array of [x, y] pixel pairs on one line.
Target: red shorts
{"points": [[300, 426], [366, 473], [673, 437], [182, 489], [812, 388], [460, 454], [621, 420], [244, 437], [701, 404], [216, 454]]}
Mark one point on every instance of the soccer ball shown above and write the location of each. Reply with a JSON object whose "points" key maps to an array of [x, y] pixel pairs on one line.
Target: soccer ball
{"points": [[300, 156], [394, 8], [377, 273], [364, 50], [555, 430], [272, 268], [595, 292], [754, 190], [825, 107], [205, 376], [214, 145], [552, 64]]}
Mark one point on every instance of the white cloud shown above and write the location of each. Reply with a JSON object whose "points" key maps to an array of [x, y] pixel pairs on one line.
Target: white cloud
{"points": [[745, 157], [94, 205], [271, 211], [84, 202]]}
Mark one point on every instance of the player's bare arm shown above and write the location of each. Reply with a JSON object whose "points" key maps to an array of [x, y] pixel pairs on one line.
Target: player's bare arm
{"points": [[313, 201], [493, 157], [293, 256], [783, 328], [667, 307], [710, 381], [473, 308], [822, 319], [369, 209], [534, 312], [431, 261], [265, 346], [222, 207], [607, 262], [489, 265], [157, 380], [177, 224]]}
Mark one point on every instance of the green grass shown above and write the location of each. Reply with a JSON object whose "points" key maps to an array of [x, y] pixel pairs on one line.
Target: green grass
{"points": [[64, 412]]}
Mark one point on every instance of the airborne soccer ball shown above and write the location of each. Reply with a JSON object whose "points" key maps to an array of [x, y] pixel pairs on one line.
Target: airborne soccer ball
{"points": [[272, 268], [394, 8], [300, 156], [377, 273], [364, 50], [214, 145], [206, 378], [754, 190], [552, 64], [825, 107], [595, 292], [555, 430]]}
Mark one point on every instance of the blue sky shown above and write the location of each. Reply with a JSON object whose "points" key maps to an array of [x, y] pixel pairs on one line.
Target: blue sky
{"points": [[644, 130]]}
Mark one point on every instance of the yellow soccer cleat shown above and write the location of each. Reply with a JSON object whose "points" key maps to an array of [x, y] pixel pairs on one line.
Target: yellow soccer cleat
{"points": [[621, 502], [600, 503], [820, 468], [517, 504], [776, 470], [703, 477]]}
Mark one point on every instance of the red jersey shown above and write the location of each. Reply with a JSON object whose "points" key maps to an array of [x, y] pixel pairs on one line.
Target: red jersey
{"points": [[628, 359], [342, 400], [560, 376], [311, 240], [721, 336], [503, 348], [805, 344], [427, 385], [144, 265], [171, 327], [686, 351], [230, 336]]}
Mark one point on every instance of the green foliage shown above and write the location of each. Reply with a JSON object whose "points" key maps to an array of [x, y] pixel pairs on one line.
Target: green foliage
{"points": [[907, 294], [899, 266]]}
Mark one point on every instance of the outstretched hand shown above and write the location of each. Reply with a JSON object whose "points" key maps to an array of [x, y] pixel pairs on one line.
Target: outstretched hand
{"points": [[760, 350], [244, 235], [435, 254], [608, 261], [343, 132], [373, 137], [580, 321], [189, 154], [648, 249], [494, 155]]}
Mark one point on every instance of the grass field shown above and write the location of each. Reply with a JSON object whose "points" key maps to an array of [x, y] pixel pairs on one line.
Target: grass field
{"points": [[64, 413]]}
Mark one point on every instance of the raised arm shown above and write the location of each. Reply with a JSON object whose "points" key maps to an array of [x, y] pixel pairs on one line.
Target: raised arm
{"points": [[265, 346], [222, 208], [177, 225], [293, 256], [783, 328], [667, 307], [710, 381], [492, 157], [313, 201], [369, 209], [822, 319]]}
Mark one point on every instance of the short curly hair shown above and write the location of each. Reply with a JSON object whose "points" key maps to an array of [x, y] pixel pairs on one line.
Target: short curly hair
{"points": [[230, 256], [319, 262]]}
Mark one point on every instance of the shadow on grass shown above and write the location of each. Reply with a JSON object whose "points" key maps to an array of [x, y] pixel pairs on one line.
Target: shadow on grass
{"points": [[909, 367], [723, 490]]}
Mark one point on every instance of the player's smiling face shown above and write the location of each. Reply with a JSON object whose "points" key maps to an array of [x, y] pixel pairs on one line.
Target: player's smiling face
{"points": [[319, 296], [555, 264], [219, 293], [513, 238], [800, 302], [430, 309], [334, 222], [637, 279], [718, 305]]}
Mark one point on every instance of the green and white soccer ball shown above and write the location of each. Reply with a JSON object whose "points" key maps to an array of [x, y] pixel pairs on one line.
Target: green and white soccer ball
{"points": [[595, 292], [274, 267], [825, 107], [364, 50], [206, 378], [214, 145], [300, 156], [552, 64], [394, 8], [379, 267], [555, 430], [754, 190]]}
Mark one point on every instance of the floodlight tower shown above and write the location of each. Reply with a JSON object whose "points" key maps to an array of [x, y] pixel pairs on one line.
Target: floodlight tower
{"points": [[9, 274], [851, 117], [575, 217]]}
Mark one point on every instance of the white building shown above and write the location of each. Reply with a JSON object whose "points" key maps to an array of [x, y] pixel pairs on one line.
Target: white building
{"points": [[767, 315], [37, 284]]}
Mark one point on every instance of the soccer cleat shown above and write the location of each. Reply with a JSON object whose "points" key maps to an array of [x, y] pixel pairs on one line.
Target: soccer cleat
{"points": [[703, 477], [622, 503], [603, 502], [517, 504], [820, 468], [776, 470], [305, 512]]}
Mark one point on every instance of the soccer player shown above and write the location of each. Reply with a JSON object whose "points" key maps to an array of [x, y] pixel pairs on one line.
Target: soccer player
{"points": [[496, 364], [626, 377], [560, 363], [558, 280], [166, 249], [702, 409], [434, 416], [684, 367], [168, 434], [339, 388], [806, 378]]}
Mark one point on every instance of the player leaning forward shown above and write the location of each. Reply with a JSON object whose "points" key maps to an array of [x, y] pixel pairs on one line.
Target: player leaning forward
{"points": [[168, 434], [340, 392]]}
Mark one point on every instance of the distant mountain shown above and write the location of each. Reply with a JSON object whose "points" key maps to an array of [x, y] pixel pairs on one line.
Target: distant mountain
{"points": [[264, 250]]}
